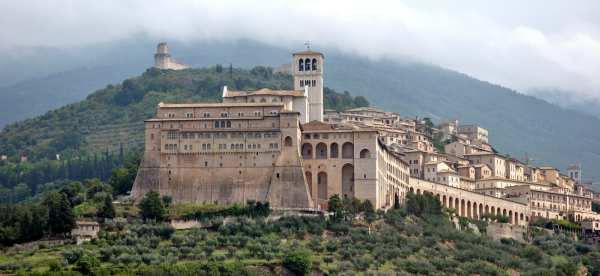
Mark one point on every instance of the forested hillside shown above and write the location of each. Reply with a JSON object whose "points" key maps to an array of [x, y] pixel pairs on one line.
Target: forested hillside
{"points": [[85, 133]]}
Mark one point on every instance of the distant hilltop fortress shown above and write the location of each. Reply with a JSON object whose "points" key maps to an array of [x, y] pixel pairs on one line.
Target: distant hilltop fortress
{"points": [[163, 60]]}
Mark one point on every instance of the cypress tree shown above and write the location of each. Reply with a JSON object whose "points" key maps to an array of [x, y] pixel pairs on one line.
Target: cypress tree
{"points": [[108, 209]]}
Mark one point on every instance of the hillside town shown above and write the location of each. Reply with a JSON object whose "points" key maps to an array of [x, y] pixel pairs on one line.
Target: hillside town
{"points": [[284, 148]]}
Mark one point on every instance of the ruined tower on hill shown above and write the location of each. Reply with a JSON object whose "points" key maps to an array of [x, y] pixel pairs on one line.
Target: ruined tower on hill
{"points": [[163, 60]]}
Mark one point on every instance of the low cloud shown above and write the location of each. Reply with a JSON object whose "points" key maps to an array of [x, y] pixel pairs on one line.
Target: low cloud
{"points": [[542, 44]]}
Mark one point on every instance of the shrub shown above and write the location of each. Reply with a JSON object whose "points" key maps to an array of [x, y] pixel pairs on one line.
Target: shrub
{"points": [[209, 249], [299, 262], [328, 259], [220, 257], [177, 241], [54, 265]]}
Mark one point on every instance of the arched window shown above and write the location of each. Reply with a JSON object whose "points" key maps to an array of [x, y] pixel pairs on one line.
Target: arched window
{"points": [[263, 100], [222, 124], [229, 124], [224, 136], [172, 134], [153, 125], [175, 147], [301, 65], [276, 145], [240, 135], [314, 64], [192, 136], [166, 147], [232, 146], [316, 136], [200, 135], [152, 136], [185, 147], [208, 146], [257, 135], [158, 125], [208, 136], [249, 136], [242, 146], [184, 136], [217, 136], [203, 146], [216, 124], [237, 146], [252, 101], [274, 100], [267, 135], [576, 174], [171, 126], [191, 147], [307, 62]]}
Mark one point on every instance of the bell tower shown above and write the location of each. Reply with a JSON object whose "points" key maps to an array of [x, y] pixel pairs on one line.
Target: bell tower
{"points": [[308, 72], [574, 171]]}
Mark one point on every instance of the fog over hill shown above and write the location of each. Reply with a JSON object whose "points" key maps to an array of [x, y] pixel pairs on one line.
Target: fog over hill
{"points": [[517, 123]]}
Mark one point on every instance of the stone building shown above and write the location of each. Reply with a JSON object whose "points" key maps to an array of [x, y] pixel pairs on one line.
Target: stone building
{"points": [[163, 60], [85, 231]]}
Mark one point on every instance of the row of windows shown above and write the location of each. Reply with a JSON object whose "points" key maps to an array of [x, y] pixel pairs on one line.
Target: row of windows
{"points": [[307, 62], [221, 146], [263, 100], [309, 83], [317, 136]]}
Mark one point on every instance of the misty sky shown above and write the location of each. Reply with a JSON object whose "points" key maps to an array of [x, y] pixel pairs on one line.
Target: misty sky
{"points": [[518, 44]]}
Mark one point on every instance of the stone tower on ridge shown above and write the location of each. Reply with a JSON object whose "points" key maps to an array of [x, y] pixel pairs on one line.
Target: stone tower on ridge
{"points": [[308, 72], [162, 59]]}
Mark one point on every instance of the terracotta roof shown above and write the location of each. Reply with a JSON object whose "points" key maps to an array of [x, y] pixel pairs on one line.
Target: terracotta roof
{"points": [[88, 223], [316, 125], [164, 105], [308, 53], [265, 91]]}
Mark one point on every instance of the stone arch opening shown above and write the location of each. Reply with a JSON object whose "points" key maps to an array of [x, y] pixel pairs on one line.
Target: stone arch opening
{"points": [[457, 206], [469, 215], [365, 153], [521, 217], [300, 65], [307, 151], [504, 212], [288, 141], [314, 64], [450, 202], [321, 151], [348, 150], [510, 217], [348, 180], [462, 208], [335, 150], [307, 64], [322, 184], [444, 203], [418, 191], [480, 211], [412, 190]]}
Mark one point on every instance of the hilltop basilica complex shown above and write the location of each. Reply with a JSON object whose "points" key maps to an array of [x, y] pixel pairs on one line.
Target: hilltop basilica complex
{"points": [[283, 147]]}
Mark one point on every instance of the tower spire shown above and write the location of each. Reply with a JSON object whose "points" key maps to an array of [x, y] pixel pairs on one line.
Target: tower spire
{"points": [[307, 45]]}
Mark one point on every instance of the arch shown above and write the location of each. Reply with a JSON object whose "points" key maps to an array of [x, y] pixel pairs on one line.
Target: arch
{"points": [[252, 101], [411, 190], [516, 221], [307, 151], [504, 212], [365, 153], [480, 211], [274, 100], [216, 124], [300, 65], [263, 100], [450, 202], [228, 124], [444, 203], [462, 208], [321, 151], [322, 186], [287, 142], [521, 217], [418, 191], [348, 150], [308, 176], [348, 180], [314, 64], [307, 64], [526, 218], [510, 217], [498, 211], [152, 136], [469, 211], [335, 150]]}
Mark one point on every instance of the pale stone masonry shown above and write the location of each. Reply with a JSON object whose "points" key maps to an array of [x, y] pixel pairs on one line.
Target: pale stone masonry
{"points": [[163, 60]]}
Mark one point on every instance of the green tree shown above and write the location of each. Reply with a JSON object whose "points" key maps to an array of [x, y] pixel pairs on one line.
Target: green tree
{"points": [[61, 218], [107, 211], [167, 199], [299, 262], [72, 190], [336, 206], [396, 202], [152, 206], [369, 211]]}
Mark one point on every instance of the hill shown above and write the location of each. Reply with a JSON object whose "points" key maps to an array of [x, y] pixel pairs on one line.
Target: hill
{"points": [[417, 239], [111, 120], [517, 123]]}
